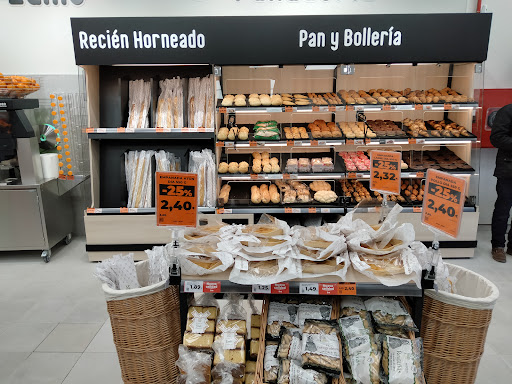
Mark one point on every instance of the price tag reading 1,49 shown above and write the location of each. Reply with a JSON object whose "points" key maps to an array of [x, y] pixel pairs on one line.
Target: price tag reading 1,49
{"points": [[443, 202], [176, 199], [385, 170]]}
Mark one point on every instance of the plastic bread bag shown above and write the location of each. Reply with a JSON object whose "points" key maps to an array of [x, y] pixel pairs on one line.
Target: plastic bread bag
{"points": [[314, 243], [201, 318], [118, 272], [281, 314], [299, 375], [233, 316], [393, 331], [202, 259], [158, 264], [352, 305], [263, 272], [335, 266], [228, 373], [284, 372], [363, 241], [321, 347], [209, 233], [402, 360], [194, 366], [210, 179], [267, 226], [290, 344], [255, 320], [388, 312], [391, 270], [270, 363], [316, 311]]}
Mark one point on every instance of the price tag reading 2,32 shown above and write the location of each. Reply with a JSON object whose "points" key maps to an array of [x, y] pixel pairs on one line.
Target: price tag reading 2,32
{"points": [[443, 202], [385, 168], [176, 199]]}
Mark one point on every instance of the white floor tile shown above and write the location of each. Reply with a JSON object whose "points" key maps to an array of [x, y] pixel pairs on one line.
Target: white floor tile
{"points": [[97, 368], [23, 337], [88, 310], [493, 369], [69, 338], [43, 368], [103, 341], [9, 361]]}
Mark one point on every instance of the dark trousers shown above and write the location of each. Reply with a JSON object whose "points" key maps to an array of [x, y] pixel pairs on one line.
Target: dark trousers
{"points": [[501, 213]]}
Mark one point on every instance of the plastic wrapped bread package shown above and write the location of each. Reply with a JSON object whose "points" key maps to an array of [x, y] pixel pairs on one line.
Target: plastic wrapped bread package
{"points": [[391, 313], [200, 328], [316, 244], [264, 272], [166, 161], [203, 164], [210, 234], [138, 173], [195, 367], [169, 112], [200, 102], [321, 347], [139, 92], [402, 360], [158, 259], [281, 314], [202, 259], [334, 266], [118, 272]]}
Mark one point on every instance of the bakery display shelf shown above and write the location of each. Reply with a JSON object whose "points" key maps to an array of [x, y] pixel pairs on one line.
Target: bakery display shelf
{"points": [[150, 133], [364, 286], [281, 143], [406, 209], [279, 109], [420, 140], [410, 107], [135, 211], [289, 208]]}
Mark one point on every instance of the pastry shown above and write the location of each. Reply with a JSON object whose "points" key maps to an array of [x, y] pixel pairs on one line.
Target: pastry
{"points": [[223, 167], [223, 133], [265, 195], [224, 194], [233, 167], [198, 341], [243, 167], [255, 195]]}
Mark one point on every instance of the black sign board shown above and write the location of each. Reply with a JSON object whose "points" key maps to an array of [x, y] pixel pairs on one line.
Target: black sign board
{"points": [[257, 40]]}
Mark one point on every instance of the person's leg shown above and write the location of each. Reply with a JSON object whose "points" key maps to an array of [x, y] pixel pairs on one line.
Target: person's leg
{"points": [[501, 212]]}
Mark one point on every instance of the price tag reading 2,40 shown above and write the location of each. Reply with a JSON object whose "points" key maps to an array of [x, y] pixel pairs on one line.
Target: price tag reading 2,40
{"points": [[176, 199], [385, 168], [443, 202]]}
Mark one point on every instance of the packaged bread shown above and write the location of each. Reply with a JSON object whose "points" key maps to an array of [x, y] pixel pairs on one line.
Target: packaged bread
{"points": [[290, 344], [321, 347], [226, 372], [284, 372], [254, 348], [393, 331], [194, 366], [237, 326], [263, 230], [250, 366], [385, 265], [402, 360], [317, 311], [305, 376], [249, 378], [352, 305], [388, 312], [203, 233], [201, 316], [255, 333], [327, 267], [270, 363], [255, 320], [281, 315], [198, 341]]}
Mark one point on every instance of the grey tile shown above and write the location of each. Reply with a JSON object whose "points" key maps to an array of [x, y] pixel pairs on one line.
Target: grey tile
{"points": [[69, 338], [9, 361], [23, 337], [103, 341], [508, 360], [15, 309], [49, 310], [493, 369], [97, 368], [88, 310], [44, 368]]}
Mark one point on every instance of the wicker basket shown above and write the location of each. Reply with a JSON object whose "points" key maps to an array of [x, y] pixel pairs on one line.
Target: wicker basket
{"points": [[454, 332], [146, 329]]}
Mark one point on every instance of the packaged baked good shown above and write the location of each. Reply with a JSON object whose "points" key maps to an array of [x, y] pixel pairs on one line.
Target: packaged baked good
{"points": [[228, 373], [393, 331], [203, 259], [264, 272], [284, 372], [391, 313], [207, 233], [334, 266], [299, 375], [281, 315], [292, 166], [321, 347], [270, 363], [304, 165], [198, 341], [290, 344], [352, 305], [250, 378], [402, 360], [194, 366], [201, 315], [250, 366], [254, 349], [318, 311], [316, 244]]}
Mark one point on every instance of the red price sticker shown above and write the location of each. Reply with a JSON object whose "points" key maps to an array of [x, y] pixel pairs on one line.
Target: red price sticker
{"points": [[286, 176], [254, 176], [385, 171], [420, 175], [288, 210], [447, 106], [252, 143], [290, 143], [443, 202], [351, 175], [159, 129], [418, 107], [123, 210], [347, 289], [89, 130], [288, 109], [280, 288], [314, 143], [223, 110], [211, 286], [90, 210], [312, 210], [412, 141], [350, 142], [416, 209], [220, 211], [219, 144], [328, 288], [176, 199]]}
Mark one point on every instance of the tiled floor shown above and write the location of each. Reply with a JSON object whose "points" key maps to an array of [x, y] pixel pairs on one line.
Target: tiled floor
{"points": [[54, 324]]}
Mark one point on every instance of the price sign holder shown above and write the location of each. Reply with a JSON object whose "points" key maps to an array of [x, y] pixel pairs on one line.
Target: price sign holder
{"points": [[443, 205], [385, 176]]}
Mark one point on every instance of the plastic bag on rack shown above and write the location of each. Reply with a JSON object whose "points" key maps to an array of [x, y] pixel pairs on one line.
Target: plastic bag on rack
{"points": [[290, 344], [118, 272], [351, 306], [228, 373], [390, 313], [270, 363], [314, 243], [298, 375], [314, 309], [321, 347], [264, 272], [231, 330], [201, 321], [194, 366], [209, 233], [373, 244], [334, 266], [391, 270], [402, 360], [158, 264], [202, 259]]}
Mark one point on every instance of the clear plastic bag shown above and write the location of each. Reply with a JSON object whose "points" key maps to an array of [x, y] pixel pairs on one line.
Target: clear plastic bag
{"points": [[290, 344], [194, 366], [281, 314], [316, 311], [298, 375], [391, 313], [158, 264], [264, 272], [201, 321], [228, 373], [321, 347], [316, 244], [352, 305], [270, 363], [337, 266], [402, 360], [118, 272]]}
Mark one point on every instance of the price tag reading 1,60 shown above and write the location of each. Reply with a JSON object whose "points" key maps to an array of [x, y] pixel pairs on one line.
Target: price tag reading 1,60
{"points": [[443, 202], [308, 288], [176, 198], [385, 170], [192, 286]]}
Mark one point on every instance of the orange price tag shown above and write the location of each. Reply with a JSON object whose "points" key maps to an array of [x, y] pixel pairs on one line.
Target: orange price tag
{"points": [[176, 199], [443, 202], [219, 144], [123, 210], [223, 110], [254, 176], [314, 143], [447, 106], [159, 129], [90, 210], [347, 289], [288, 109], [385, 171], [420, 175], [286, 176], [89, 130], [350, 107], [351, 175], [253, 143], [367, 140], [290, 143], [220, 211], [416, 209], [288, 210], [386, 107], [316, 108], [412, 141], [62, 177], [331, 108], [312, 210], [418, 107], [350, 142], [327, 288], [121, 130], [70, 177]]}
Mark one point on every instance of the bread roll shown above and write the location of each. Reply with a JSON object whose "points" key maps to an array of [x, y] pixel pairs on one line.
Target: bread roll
{"points": [[224, 194], [265, 195], [255, 195], [223, 167], [275, 197], [243, 167], [233, 167]]}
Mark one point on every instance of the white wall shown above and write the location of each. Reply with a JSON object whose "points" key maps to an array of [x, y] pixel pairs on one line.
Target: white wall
{"points": [[38, 38]]}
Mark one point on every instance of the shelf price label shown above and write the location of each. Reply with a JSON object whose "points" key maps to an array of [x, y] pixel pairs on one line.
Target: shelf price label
{"points": [[211, 286], [258, 288], [347, 289], [315, 108], [443, 202], [308, 288], [385, 171], [176, 199], [280, 288], [223, 110], [192, 286], [328, 288], [418, 107]]}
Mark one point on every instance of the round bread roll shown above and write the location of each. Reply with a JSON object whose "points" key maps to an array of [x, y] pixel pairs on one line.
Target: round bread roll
{"points": [[243, 135], [233, 167], [265, 155], [267, 168], [256, 155], [254, 102], [223, 133], [243, 167], [240, 102], [227, 102], [223, 167], [275, 168]]}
